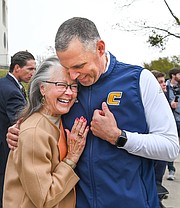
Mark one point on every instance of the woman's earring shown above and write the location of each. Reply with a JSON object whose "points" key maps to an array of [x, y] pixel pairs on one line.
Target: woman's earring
{"points": [[76, 100], [43, 100]]}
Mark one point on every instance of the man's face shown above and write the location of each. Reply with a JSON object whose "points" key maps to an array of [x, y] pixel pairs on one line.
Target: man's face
{"points": [[177, 77], [84, 65], [26, 72]]}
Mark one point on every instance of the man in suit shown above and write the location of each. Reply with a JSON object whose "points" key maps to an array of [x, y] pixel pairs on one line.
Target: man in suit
{"points": [[12, 101]]}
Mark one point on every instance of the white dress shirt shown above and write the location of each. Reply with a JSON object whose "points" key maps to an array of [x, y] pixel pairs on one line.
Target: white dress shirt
{"points": [[160, 120]]}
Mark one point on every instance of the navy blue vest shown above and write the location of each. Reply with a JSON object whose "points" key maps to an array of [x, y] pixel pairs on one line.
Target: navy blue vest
{"points": [[111, 177]]}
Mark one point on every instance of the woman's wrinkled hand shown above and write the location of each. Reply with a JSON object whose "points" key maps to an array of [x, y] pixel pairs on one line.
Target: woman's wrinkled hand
{"points": [[76, 139]]}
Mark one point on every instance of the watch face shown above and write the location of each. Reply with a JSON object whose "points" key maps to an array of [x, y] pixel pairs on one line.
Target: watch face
{"points": [[121, 141]]}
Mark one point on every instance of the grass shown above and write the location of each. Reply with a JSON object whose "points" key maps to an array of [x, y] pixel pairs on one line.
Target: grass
{"points": [[3, 72]]}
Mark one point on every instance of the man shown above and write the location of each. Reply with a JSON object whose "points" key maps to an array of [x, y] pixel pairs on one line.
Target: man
{"points": [[173, 89], [12, 101], [126, 112]]}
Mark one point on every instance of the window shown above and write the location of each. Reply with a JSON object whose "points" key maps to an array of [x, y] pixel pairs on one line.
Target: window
{"points": [[5, 40], [4, 12]]}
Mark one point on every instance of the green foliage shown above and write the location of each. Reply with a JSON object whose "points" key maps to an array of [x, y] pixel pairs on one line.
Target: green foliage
{"points": [[3, 72], [157, 40], [163, 64], [25, 86]]}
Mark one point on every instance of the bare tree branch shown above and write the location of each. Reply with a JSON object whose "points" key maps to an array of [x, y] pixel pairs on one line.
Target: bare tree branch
{"points": [[127, 5], [176, 18], [158, 35], [164, 30]]}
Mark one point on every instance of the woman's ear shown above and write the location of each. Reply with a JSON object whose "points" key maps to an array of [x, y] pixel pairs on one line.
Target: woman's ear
{"points": [[42, 89]]}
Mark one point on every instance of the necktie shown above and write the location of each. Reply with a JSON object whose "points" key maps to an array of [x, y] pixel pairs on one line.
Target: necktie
{"points": [[62, 143], [23, 91]]}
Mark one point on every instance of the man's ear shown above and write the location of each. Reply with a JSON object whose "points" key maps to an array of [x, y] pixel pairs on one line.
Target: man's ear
{"points": [[16, 68], [101, 47]]}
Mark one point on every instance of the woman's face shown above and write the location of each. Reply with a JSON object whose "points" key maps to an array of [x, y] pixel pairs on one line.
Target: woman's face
{"points": [[58, 99]]}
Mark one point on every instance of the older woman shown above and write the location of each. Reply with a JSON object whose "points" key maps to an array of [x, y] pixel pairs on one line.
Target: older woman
{"points": [[40, 172]]}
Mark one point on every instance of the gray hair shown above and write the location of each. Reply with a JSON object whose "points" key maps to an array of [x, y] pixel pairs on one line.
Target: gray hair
{"points": [[44, 72], [77, 27]]}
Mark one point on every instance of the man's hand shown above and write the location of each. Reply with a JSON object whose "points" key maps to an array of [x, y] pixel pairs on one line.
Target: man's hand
{"points": [[174, 104], [13, 134], [104, 126]]}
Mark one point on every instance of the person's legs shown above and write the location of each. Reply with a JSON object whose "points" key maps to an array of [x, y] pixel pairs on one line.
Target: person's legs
{"points": [[171, 167], [160, 167], [171, 170], [178, 127]]}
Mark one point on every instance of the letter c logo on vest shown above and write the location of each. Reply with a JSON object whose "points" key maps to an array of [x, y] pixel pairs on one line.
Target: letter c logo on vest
{"points": [[114, 98]]}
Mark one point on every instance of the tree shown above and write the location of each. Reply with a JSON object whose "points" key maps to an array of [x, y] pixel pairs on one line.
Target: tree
{"points": [[163, 64], [158, 35], [49, 51]]}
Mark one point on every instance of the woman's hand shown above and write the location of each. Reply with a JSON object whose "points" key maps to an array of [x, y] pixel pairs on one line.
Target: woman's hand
{"points": [[76, 139]]}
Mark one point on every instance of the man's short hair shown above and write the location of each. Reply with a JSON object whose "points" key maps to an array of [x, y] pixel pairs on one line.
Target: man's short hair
{"points": [[174, 71], [21, 59]]}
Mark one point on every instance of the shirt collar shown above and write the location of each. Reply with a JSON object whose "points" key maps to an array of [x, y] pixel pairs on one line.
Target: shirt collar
{"points": [[108, 62], [10, 74]]}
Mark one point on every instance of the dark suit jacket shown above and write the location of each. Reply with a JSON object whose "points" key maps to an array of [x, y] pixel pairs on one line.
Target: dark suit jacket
{"points": [[11, 102]]}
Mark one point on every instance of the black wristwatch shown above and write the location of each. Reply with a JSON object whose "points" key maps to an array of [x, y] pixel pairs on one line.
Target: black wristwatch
{"points": [[121, 140]]}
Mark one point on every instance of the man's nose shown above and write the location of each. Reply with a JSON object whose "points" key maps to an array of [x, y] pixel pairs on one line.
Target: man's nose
{"points": [[73, 74]]}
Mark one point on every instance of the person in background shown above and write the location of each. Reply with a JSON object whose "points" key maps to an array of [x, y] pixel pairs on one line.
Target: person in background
{"points": [[173, 93], [126, 114], [160, 76], [12, 100], [160, 165], [38, 173]]}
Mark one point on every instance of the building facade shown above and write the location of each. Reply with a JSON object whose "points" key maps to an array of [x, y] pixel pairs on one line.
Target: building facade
{"points": [[3, 33]]}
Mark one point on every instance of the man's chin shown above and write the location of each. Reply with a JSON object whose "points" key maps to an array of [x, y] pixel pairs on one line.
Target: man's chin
{"points": [[86, 82]]}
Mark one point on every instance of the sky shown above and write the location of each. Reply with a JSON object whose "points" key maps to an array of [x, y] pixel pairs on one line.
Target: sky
{"points": [[32, 25]]}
